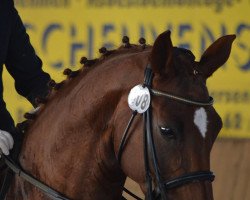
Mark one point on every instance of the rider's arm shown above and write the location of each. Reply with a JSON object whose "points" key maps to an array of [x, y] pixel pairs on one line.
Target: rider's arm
{"points": [[23, 63]]}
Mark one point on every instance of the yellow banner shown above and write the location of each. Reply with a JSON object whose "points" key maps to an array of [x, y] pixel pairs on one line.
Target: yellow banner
{"points": [[62, 31]]}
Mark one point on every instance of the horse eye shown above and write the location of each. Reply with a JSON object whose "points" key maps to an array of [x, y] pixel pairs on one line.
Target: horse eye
{"points": [[167, 132]]}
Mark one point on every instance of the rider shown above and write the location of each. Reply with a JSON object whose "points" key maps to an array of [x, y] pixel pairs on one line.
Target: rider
{"points": [[22, 63]]}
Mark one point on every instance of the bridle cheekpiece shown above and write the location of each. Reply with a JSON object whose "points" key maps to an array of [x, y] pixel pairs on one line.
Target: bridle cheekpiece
{"points": [[136, 104]]}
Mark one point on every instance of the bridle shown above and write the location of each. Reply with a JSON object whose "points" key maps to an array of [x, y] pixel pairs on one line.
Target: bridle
{"points": [[149, 152], [162, 186]]}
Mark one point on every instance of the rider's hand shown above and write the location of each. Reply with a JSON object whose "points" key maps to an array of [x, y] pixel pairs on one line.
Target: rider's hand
{"points": [[6, 142]]}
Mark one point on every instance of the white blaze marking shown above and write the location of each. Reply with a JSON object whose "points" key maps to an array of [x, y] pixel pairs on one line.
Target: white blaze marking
{"points": [[200, 120]]}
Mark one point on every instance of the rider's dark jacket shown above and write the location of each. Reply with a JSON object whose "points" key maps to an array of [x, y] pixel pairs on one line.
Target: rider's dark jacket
{"points": [[20, 59]]}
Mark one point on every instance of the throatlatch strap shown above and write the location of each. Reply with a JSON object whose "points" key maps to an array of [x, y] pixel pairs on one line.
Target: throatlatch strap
{"points": [[124, 137]]}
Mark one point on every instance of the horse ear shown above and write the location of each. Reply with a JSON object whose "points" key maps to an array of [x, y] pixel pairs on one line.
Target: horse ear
{"points": [[161, 56], [216, 55]]}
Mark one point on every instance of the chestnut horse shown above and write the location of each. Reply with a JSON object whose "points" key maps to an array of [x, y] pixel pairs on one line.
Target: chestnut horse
{"points": [[84, 142]]}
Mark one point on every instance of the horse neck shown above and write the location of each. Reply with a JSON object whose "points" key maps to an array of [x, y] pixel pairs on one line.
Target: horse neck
{"points": [[103, 88], [78, 130]]}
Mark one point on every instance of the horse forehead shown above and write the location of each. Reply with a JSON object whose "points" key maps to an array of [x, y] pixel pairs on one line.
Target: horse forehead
{"points": [[201, 121]]}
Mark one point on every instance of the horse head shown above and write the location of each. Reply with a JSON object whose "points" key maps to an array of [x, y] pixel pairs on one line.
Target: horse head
{"points": [[182, 122]]}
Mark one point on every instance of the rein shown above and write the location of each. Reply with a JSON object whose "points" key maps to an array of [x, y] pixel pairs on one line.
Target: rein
{"points": [[150, 151], [51, 193]]}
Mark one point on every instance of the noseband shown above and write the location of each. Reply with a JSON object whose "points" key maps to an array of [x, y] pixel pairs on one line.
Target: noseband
{"points": [[150, 155]]}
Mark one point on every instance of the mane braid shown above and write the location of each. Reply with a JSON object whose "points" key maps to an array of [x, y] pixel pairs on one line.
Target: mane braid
{"points": [[86, 64]]}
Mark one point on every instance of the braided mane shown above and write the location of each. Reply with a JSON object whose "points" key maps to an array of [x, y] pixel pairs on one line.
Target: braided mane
{"points": [[86, 66]]}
